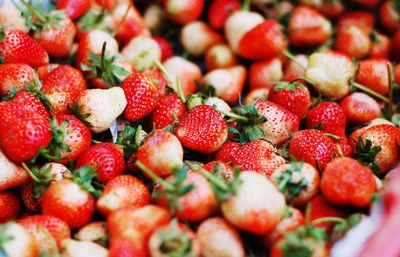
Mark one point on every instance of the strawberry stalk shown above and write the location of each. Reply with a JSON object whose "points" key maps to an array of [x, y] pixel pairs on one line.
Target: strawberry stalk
{"points": [[30, 173], [170, 79], [122, 21], [157, 179], [246, 5], [291, 57], [369, 91], [175, 241], [328, 219]]}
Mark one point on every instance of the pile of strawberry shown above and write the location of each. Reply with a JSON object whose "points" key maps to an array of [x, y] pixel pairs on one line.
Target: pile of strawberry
{"points": [[190, 128]]}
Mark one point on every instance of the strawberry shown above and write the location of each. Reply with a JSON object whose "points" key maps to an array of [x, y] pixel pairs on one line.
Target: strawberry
{"points": [[376, 146], [219, 56], [98, 108], [221, 167], [94, 19], [327, 8], [185, 71], [266, 40], [12, 17], [353, 42], [389, 16], [129, 23], [380, 46], [202, 129], [17, 241], [330, 73], [294, 68], [27, 196], [360, 108], [196, 37], [74, 9], [107, 4], [159, 80], [10, 206], [263, 73], [329, 116], [14, 75], [308, 28], [363, 20], [43, 71], [320, 208], [162, 153], [95, 231], [298, 181], [279, 124], [141, 95], [257, 206], [83, 248], [346, 182], [18, 47], [256, 94], [123, 191], [131, 243], [167, 108], [107, 157], [24, 119], [227, 83], [165, 46], [11, 174], [62, 87], [174, 239], [294, 97], [373, 73], [183, 12], [291, 221], [258, 155], [220, 10], [57, 228], [312, 146], [70, 200], [213, 228]]}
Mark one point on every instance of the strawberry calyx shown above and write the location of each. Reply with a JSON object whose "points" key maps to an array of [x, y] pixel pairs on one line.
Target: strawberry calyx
{"points": [[93, 20], [173, 189], [291, 182], [193, 100], [291, 57], [84, 177], [34, 87], [39, 19], [129, 139], [2, 37], [175, 241], [77, 111], [341, 228], [366, 153], [291, 85], [169, 78], [103, 67], [42, 178]]}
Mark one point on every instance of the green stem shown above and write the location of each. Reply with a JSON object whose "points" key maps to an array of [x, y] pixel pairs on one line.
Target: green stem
{"points": [[122, 20], [293, 58], [179, 90], [34, 12], [26, 168], [235, 116], [369, 91], [339, 150], [283, 183], [96, 141], [246, 5], [333, 136], [328, 219], [209, 176], [137, 135], [163, 70], [154, 176], [302, 78], [390, 104]]}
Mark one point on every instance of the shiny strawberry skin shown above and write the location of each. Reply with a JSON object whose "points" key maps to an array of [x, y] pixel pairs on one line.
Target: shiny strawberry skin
{"points": [[298, 101], [373, 74], [264, 41], [183, 12], [330, 115], [220, 10], [14, 75], [202, 129], [353, 42], [166, 107], [10, 206], [130, 26], [165, 46], [360, 108], [25, 127], [63, 86], [320, 207], [19, 47], [363, 20], [141, 95], [74, 9]]}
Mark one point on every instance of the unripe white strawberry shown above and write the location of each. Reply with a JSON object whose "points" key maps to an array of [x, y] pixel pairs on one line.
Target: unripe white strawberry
{"points": [[93, 231], [20, 242], [57, 169], [74, 248], [255, 95], [102, 106], [238, 24], [141, 52], [330, 73], [153, 16], [219, 56], [197, 37], [11, 174], [11, 17], [228, 83], [218, 104]]}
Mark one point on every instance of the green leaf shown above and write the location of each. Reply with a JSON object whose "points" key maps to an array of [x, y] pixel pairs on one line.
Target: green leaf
{"points": [[77, 111], [2, 34], [94, 20], [286, 185], [175, 241], [84, 177], [366, 153]]}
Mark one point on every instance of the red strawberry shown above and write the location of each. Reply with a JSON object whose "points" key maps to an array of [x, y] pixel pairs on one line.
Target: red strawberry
{"points": [[27, 196], [264, 41], [380, 46], [220, 10], [108, 158], [280, 122], [330, 116], [257, 155], [19, 47], [45, 70], [363, 20], [141, 95], [263, 73], [62, 87], [24, 119], [373, 74], [11, 174], [123, 191], [346, 182], [293, 97], [183, 12], [10, 206], [159, 80], [14, 75], [77, 137], [312, 146], [58, 229], [74, 9], [222, 167], [308, 28], [353, 42], [360, 108], [389, 16], [202, 129], [107, 4], [162, 153], [130, 243], [320, 208], [165, 46], [168, 106], [219, 56]]}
